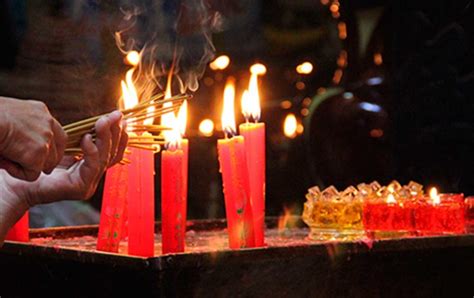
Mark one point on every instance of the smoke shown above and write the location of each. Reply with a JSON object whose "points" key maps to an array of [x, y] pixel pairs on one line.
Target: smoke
{"points": [[170, 34]]}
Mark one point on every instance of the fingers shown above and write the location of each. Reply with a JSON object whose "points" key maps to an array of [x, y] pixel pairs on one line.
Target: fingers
{"points": [[50, 162], [91, 158], [116, 131], [97, 155], [60, 138], [56, 146], [121, 147], [108, 139]]}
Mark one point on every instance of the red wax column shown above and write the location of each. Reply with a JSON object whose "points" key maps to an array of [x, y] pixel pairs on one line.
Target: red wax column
{"points": [[254, 135], [20, 231], [233, 166], [141, 203], [173, 200], [185, 148], [112, 215], [383, 216], [444, 217]]}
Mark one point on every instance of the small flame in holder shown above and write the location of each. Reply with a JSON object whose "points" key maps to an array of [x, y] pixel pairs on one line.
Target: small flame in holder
{"points": [[434, 196]]}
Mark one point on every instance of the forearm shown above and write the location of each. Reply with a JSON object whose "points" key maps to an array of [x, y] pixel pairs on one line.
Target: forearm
{"points": [[13, 203]]}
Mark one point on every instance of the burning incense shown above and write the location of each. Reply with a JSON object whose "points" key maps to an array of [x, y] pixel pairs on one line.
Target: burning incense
{"points": [[134, 118]]}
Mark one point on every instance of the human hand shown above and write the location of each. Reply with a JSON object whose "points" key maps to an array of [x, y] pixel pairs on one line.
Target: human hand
{"points": [[71, 180], [31, 140]]}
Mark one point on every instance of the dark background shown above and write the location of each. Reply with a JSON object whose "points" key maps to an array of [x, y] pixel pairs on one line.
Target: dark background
{"points": [[390, 96]]}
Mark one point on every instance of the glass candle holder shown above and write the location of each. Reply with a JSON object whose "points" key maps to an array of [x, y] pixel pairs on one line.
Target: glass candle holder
{"points": [[389, 212], [334, 216], [446, 216], [394, 217]]}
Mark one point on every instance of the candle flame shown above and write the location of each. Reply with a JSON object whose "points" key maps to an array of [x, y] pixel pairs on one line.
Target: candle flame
{"points": [[173, 136], [290, 125], [304, 68], [206, 127], [228, 114], [129, 92], [133, 58], [251, 100], [435, 196], [258, 69], [220, 63], [391, 198], [182, 117]]}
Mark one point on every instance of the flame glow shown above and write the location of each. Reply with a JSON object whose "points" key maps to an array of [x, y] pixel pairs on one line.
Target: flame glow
{"points": [[391, 199], [220, 63], [300, 128], [304, 68], [290, 125], [129, 92], [183, 117], [173, 136], [228, 114], [133, 58], [434, 196], [206, 127], [251, 100], [283, 219], [258, 69], [286, 220]]}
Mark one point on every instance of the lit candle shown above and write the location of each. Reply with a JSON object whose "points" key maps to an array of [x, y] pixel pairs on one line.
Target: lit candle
{"points": [[20, 231], [254, 135], [174, 179], [112, 215], [387, 214], [233, 166], [441, 214], [141, 189]]}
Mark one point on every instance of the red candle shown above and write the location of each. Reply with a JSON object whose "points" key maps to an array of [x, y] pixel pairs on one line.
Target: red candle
{"points": [[20, 231], [141, 203], [441, 214], [139, 208], [112, 215], [233, 166], [254, 135], [173, 201], [469, 203], [389, 215], [185, 148], [174, 180], [182, 121]]}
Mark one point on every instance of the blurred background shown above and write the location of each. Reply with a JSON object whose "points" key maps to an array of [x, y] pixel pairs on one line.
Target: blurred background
{"points": [[369, 90]]}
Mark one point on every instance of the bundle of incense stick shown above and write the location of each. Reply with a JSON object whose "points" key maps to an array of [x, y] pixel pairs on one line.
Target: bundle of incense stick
{"points": [[134, 118]]}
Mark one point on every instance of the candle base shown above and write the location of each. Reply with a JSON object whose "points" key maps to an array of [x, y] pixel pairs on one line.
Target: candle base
{"points": [[318, 234]]}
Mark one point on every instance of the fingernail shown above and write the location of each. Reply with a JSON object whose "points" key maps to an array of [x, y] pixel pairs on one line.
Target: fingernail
{"points": [[116, 113]]}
